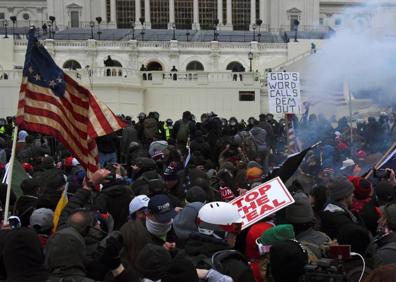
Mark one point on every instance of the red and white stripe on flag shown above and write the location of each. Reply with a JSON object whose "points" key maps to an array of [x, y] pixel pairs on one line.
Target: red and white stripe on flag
{"points": [[75, 119]]}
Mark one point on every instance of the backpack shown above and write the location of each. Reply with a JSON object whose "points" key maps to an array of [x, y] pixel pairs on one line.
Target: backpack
{"points": [[246, 141], [183, 133]]}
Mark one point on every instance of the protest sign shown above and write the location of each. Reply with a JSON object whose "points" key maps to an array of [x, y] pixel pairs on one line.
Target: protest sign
{"points": [[284, 92], [262, 201]]}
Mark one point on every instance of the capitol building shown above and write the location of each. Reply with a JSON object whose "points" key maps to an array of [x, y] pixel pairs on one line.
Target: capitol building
{"points": [[173, 55]]}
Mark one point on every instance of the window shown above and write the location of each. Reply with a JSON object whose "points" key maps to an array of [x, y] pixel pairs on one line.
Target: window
{"points": [[159, 12], [240, 14], [207, 13], [293, 21], [235, 67], [154, 66], [183, 14], [108, 15], [321, 21], [125, 13], [2, 16], [26, 16], [246, 96], [194, 66], [74, 19], [72, 65], [337, 21]]}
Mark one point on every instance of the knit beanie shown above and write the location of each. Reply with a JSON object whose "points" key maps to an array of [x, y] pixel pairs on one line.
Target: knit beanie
{"points": [[153, 262], [361, 185], [301, 211], [254, 173], [339, 188], [277, 233]]}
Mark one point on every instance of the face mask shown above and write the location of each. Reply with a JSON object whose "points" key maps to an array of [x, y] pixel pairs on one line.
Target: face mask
{"points": [[158, 229]]}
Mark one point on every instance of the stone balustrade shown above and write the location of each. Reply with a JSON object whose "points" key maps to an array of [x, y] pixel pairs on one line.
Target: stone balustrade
{"points": [[116, 74]]}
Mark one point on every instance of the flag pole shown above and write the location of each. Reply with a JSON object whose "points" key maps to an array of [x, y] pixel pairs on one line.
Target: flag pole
{"points": [[348, 91], [9, 175], [393, 147]]}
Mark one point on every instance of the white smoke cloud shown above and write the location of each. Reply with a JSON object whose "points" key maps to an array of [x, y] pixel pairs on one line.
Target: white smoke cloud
{"points": [[363, 52]]}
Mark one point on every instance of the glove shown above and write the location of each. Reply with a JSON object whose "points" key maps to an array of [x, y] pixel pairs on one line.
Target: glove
{"points": [[111, 253]]}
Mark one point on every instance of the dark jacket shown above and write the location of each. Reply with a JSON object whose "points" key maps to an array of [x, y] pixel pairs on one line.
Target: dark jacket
{"points": [[201, 247], [370, 215], [107, 144], [129, 134], [115, 199], [65, 256], [333, 217], [385, 250], [23, 257]]}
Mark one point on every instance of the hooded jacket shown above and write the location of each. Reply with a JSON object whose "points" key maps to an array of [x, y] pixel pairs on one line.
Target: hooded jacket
{"points": [[333, 217], [201, 247], [115, 199], [23, 257]]}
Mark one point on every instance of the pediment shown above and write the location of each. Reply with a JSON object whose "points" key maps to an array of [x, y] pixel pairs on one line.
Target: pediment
{"points": [[73, 6], [294, 11]]}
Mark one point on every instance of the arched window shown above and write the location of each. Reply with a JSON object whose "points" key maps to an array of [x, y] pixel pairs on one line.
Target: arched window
{"points": [[194, 66], [154, 66], [235, 67], [72, 65]]}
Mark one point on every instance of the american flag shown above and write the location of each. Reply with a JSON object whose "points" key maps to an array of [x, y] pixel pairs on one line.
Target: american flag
{"points": [[52, 103], [293, 144]]}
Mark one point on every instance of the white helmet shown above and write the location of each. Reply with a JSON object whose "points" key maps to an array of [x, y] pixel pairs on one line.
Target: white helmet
{"points": [[219, 216]]}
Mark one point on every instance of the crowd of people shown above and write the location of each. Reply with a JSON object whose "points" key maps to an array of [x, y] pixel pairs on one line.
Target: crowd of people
{"points": [[158, 207]]}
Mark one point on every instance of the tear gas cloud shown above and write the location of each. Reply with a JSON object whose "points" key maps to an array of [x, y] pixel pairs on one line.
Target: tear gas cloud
{"points": [[362, 52]]}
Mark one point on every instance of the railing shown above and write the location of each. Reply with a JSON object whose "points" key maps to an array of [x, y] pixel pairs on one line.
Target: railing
{"points": [[306, 28], [116, 74], [154, 44], [199, 76]]}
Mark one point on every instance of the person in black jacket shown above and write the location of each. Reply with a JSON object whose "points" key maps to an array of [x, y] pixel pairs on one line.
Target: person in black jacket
{"points": [[219, 224], [336, 212]]}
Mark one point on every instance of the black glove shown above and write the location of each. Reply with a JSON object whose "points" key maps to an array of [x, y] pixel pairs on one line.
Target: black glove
{"points": [[111, 252]]}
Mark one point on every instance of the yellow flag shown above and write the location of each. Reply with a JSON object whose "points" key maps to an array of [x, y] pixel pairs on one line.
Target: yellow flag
{"points": [[59, 208]]}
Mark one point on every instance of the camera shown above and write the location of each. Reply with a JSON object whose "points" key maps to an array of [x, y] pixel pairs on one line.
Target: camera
{"points": [[330, 268], [381, 173]]}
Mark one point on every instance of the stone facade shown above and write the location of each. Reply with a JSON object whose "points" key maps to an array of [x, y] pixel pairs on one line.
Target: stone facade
{"points": [[275, 15]]}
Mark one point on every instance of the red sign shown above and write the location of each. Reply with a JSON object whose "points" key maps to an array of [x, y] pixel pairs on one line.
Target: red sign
{"points": [[262, 201]]}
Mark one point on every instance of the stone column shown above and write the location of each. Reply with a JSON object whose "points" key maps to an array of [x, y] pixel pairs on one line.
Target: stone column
{"points": [[195, 24], [113, 13], [103, 13], [228, 25], [138, 13], [171, 13], [264, 8], [147, 16], [252, 13], [220, 12]]}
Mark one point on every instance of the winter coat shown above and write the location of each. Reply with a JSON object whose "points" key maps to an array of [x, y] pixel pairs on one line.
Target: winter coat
{"points": [[22, 256], [129, 134], [201, 247], [260, 138], [115, 199], [385, 252], [370, 215], [65, 255], [333, 217], [107, 144]]}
